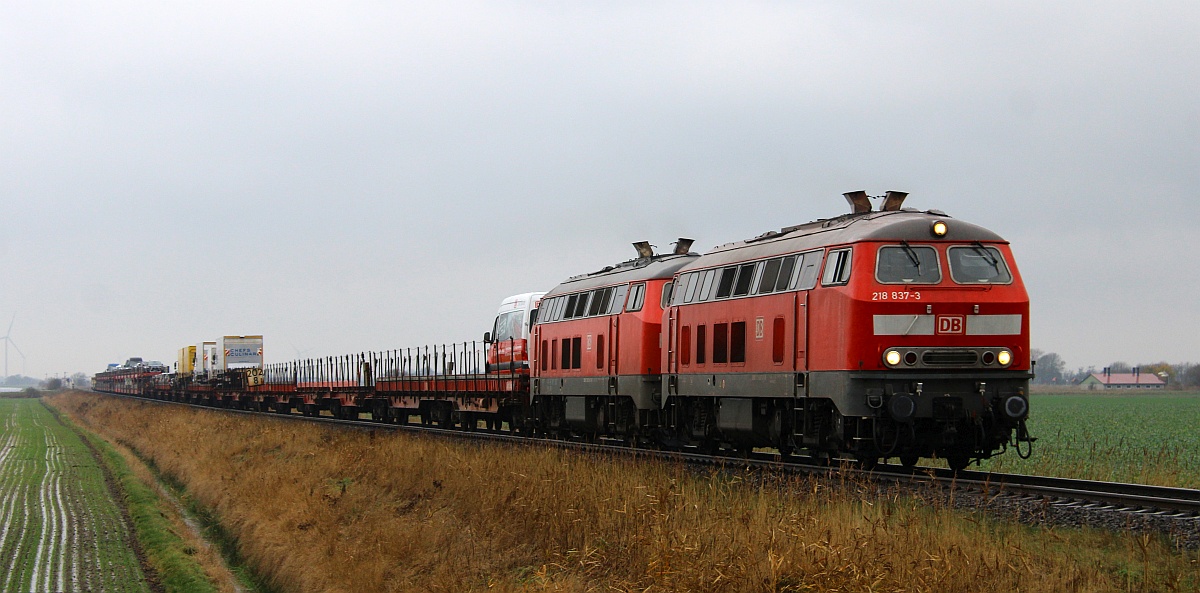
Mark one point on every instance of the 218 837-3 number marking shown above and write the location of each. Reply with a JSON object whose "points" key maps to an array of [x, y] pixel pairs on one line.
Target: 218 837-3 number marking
{"points": [[896, 296]]}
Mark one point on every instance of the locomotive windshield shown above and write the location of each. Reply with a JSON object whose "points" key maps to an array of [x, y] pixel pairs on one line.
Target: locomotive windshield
{"points": [[906, 264], [977, 264]]}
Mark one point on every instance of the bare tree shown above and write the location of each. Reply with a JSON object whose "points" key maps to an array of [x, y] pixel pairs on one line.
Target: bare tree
{"points": [[1051, 369]]}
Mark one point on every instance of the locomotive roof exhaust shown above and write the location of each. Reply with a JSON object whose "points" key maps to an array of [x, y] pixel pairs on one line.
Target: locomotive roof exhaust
{"points": [[893, 200], [683, 246], [644, 249], [859, 202]]}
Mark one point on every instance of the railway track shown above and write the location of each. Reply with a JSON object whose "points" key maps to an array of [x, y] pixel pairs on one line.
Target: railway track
{"points": [[1076, 498]]}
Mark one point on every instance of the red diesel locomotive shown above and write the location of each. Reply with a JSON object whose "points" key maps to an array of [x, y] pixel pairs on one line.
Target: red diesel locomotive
{"points": [[891, 333], [875, 334]]}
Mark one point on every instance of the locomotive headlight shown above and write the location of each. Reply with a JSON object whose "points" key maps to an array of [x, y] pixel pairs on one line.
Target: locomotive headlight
{"points": [[938, 229], [892, 357], [1004, 357]]}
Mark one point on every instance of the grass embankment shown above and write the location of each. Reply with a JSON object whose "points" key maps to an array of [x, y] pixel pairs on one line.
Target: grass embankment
{"points": [[318, 509], [1147, 438]]}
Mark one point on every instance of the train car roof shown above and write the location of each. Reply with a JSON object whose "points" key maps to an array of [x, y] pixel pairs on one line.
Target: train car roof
{"points": [[634, 270], [899, 225]]}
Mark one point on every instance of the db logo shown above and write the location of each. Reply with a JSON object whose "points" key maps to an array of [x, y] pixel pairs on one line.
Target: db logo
{"points": [[950, 324]]}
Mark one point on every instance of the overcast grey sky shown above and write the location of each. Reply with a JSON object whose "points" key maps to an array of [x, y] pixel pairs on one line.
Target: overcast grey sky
{"points": [[351, 176]]}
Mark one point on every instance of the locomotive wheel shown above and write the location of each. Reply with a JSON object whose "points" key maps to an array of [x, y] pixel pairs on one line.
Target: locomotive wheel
{"points": [[958, 461], [909, 460]]}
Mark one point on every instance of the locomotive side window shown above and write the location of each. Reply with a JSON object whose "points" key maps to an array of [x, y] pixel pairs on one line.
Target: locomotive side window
{"points": [[978, 264], [701, 340], [706, 286], [636, 297], [744, 278], [608, 297], [693, 284], [720, 342], [907, 264], [566, 353], [600, 354], [582, 304], [576, 352], [737, 341], [545, 356], [807, 278], [554, 355], [837, 268], [725, 287], [770, 276], [786, 267], [570, 310], [685, 345], [598, 301]]}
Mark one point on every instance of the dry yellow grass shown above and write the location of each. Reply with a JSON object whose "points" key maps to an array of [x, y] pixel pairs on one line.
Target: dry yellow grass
{"points": [[316, 509]]}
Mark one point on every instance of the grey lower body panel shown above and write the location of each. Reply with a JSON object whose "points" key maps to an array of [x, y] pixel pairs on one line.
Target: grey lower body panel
{"points": [[935, 394], [751, 385], [645, 390]]}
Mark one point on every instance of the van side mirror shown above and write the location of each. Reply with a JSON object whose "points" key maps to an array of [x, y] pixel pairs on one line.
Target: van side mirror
{"points": [[487, 337]]}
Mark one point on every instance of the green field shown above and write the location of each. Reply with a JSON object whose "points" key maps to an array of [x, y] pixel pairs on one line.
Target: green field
{"points": [[60, 528], [1143, 438]]}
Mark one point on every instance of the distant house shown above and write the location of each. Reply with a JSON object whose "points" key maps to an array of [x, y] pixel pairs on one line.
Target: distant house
{"points": [[1097, 381]]}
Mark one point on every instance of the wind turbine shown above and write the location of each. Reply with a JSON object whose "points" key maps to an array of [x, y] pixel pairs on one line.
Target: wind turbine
{"points": [[7, 337]]}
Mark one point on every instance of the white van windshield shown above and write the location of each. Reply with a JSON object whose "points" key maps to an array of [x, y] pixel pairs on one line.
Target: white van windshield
{"points": [[508, 326]]}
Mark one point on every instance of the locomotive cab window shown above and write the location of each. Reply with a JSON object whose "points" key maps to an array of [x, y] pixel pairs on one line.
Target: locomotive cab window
{"points": [[636, 296], [837, 268], [978, 264], [806, 278], [907, 264], [618, 301]]}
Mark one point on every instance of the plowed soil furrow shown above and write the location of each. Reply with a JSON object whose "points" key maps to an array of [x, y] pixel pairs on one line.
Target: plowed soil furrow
{"points": [[60, 529]]}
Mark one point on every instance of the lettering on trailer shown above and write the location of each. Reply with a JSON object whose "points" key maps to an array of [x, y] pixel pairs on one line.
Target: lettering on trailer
{"points": [[950, 324], [249, 354]]}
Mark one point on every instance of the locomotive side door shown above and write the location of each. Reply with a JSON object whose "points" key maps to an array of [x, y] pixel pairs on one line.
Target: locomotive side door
{"points": [[614, 326], [801, 336], [672, 341]]}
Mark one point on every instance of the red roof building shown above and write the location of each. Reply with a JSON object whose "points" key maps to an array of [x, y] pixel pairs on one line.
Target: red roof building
{"points": [[1122, 381]]}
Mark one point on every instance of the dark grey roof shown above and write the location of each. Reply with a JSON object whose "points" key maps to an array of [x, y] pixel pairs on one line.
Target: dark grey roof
{"points": [[634, 270]]}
